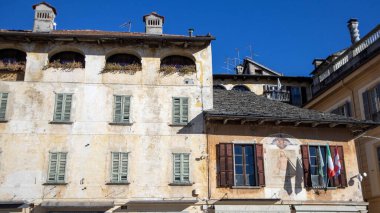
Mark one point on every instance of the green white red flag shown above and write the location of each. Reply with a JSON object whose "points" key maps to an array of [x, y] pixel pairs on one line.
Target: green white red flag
{"points": [[330, 164]]}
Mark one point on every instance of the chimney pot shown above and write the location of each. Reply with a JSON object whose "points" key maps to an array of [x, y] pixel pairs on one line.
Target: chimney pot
{"points": [[353, 25], [191, 31], [44, 15], [153, 23]]}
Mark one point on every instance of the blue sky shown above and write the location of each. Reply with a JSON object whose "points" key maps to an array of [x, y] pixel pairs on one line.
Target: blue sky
{"points": [[284, 35]]}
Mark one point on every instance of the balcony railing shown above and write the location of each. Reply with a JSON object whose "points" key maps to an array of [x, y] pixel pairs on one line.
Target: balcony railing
{"points": [[278, 95], [335, 69]]}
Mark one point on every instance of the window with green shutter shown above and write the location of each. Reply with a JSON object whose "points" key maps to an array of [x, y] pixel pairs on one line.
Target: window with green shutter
{"points": [[121, 109], [181, 169], [57, 167], [180, 110], [3, 105], [119, 167], [63, 104]]}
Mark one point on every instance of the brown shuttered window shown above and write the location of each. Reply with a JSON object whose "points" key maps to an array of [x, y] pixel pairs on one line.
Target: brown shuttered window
{"points": [[225, 167], [306, 165], [240, 165], [342, 176], [260, 165], [312, 170]]}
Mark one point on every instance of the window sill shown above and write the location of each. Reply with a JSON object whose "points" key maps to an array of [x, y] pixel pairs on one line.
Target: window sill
{"points": [[118, 183], [120, 124], [3, 121], [323, 188], [178, 125], [246, 187], [53, 183], [181, 184], [61, 122]]}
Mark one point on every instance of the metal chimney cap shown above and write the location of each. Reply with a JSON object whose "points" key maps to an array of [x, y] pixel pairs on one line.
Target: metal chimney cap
{"points": [[352, 20]]}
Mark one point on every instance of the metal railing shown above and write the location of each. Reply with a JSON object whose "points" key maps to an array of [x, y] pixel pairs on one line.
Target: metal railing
{"points": [[343, 59], [278, 95]]}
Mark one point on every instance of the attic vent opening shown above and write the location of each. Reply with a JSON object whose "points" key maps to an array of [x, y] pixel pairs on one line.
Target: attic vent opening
{"points": [[44, 15], [122, 63], [12, 65], [67, 60], [176, 63]]}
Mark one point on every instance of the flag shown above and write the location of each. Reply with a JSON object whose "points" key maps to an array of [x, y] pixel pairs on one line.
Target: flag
{"points": [[337, 166], [278, 84], [330, 164], [321, 164]]}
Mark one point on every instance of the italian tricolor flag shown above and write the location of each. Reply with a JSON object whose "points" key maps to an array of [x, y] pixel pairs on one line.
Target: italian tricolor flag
{"points": [[330, 164]]}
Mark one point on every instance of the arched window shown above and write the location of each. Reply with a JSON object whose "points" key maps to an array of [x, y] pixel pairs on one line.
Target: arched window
{"points": [[178, 63], [122, 63], [241, 88], [67, 60], [219, 87], [12, 64]]}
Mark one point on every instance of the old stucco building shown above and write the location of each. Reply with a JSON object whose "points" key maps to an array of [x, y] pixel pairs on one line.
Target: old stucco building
{"points": [[96, 121], [347, 83], [103, 120], [254, 77]]}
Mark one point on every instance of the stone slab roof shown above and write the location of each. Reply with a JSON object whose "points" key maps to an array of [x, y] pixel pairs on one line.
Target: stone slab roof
{"points": [[99, 34], [233, 105]]}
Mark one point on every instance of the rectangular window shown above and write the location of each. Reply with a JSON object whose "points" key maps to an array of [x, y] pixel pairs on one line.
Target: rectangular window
{"points": [[62, 107], [344, 110], [3, 105], [181, 170], [121, 109], [295, 96], [180, 111], [57, 167], [315, 166], [371, 102], [119, 167], [240, 165]]}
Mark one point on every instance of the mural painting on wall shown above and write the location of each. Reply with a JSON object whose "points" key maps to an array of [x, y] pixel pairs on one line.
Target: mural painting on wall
{"points": [[283, 165]]}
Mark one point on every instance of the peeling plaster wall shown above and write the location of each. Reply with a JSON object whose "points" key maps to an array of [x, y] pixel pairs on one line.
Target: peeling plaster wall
{"points": [[28, 137], [279, 183]]}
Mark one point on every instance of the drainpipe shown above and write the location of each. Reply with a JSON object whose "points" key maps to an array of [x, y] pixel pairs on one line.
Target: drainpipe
{"points": [[353, 98]]}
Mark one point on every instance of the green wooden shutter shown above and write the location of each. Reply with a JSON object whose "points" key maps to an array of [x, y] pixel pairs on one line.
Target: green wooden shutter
{"points": [[184, 110], [177, 167], [3, 105], [119, 167], [185, 168], [53, 164], [115, 167], [117, 109], [176, 110], [58, 107], [366, 106], [123, 167], [126, 108], [67, 107], [61, 167]]}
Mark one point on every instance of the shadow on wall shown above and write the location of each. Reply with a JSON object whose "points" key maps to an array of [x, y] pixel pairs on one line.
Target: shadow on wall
{"points": [[291, 171], [195, 126], [300, 132]]}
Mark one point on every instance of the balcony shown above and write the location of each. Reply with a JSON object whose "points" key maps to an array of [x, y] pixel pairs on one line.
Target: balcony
{"points": [[278, 95], [355, 56]]}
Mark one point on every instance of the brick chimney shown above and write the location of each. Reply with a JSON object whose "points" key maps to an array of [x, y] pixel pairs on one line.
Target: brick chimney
{"points": [[353, 25], [153, 23], [44, 15]]}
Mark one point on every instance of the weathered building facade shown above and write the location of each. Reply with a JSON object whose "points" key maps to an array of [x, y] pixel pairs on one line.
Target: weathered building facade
{"points": [[103, 120], [254, 77], [98, 121], [347, 83], [264, 157]]}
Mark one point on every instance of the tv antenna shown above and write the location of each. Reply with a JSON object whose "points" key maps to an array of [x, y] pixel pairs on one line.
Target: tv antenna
{"points": [[127, 25]]}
